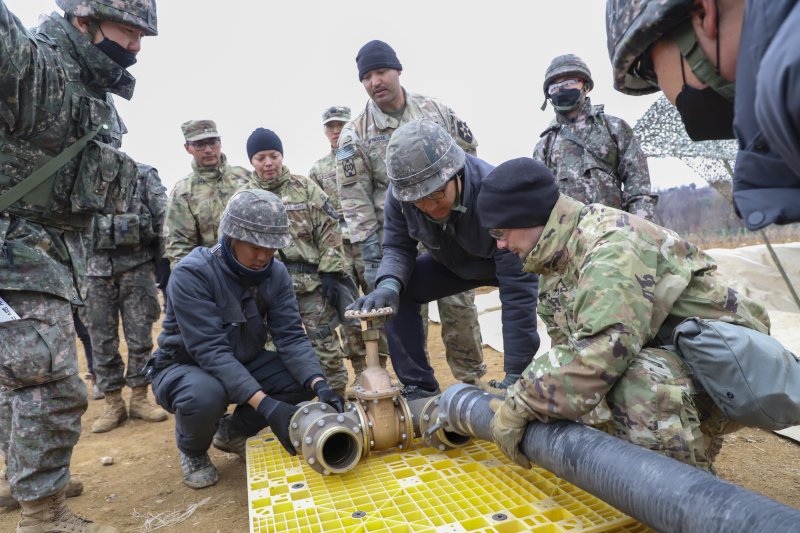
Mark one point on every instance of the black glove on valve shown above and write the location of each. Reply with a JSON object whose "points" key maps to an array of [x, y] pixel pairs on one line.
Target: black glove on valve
{"points": [[326, 395], [278, 415]]}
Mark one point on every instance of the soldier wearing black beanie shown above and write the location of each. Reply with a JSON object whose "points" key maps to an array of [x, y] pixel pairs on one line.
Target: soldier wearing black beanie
{"points": [[519, 193], [263, 139], [376, 54]]}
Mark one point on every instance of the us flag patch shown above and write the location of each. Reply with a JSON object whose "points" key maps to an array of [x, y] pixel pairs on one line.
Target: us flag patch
{"points": [[345, 152]]}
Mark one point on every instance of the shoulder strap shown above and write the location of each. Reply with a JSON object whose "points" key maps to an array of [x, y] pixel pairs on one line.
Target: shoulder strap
{"points": [[25, 186]]}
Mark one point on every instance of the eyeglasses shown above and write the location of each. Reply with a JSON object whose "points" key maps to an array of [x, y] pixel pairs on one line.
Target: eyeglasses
{"points": [[213, 142], [435, 195], [644, 69], [438, 194], [570, 83], [498, 234]]}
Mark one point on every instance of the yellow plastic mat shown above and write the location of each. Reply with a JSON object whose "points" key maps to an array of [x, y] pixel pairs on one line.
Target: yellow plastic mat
{"points": [[474, 488]]}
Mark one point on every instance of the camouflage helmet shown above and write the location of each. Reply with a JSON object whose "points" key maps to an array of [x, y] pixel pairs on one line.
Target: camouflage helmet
{"points": [[137, 13], [566, 65], [420, 158], [632, 27], [258, 217]]}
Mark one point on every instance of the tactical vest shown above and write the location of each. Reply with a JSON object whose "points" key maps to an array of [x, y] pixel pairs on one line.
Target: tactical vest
{"points": [[100, 179], [127, 230]]}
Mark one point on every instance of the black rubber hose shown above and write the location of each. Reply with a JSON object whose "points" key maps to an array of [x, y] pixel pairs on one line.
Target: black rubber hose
{"points": [[660, 492]]}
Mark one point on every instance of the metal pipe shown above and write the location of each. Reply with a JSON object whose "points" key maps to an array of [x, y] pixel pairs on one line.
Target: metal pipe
{"points": [[660, 492]]}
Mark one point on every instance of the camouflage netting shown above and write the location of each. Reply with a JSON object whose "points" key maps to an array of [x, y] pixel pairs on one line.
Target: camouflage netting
{"points": [[661, 134]]}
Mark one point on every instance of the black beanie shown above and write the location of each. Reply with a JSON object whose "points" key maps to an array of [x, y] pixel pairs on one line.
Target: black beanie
{"points": [[376, 54], [263, 139], [519, 193]]}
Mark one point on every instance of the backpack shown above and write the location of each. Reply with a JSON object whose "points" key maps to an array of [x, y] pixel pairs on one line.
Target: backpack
{"points": [[751, 377]]}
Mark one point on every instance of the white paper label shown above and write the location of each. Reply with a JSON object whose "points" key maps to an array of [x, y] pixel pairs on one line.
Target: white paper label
{"points": [[7, 313]]}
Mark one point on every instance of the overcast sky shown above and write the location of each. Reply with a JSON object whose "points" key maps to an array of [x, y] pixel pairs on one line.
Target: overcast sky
{"points": [[278, 65]]}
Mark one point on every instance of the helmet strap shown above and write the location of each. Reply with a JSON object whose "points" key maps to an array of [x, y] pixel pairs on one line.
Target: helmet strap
{"points": [[702, 67]]}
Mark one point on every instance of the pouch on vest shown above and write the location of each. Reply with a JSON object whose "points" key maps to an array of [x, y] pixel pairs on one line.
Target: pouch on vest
{"points": [[104, 232], [126, 229], [751, 377], [106, 178]]}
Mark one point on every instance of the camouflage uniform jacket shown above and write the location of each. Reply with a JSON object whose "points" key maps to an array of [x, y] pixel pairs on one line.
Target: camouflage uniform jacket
{"points": [[361, 166], [312, 221], [608, 284], [596, 159], [195, 206], [323, 173], [150, 202], [53, 90]]}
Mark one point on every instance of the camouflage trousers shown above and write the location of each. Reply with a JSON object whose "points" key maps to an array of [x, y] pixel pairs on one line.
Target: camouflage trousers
{"points": [[320, 321], [461, 335], [656, 405], [132, 296], [42, 396]]}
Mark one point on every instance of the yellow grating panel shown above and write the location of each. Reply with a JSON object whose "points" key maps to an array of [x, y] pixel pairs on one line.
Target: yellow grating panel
{"points": [[474, 488]]}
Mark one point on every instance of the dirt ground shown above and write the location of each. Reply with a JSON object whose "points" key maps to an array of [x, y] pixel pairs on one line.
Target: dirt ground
{"points": [[145, 478]]}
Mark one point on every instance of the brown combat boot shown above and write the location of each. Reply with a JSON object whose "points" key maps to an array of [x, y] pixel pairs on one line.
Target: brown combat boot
{"points": [[142, 407], [113, 415], [52, 514], [74, 488]]}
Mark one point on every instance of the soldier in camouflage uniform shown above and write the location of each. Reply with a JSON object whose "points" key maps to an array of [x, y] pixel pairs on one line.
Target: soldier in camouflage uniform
{"points": [[730, 67], [315, 259], [324, 174], [71, 64], [120, 280], [196, 202], [594, 156], [361, 173], [612, 289]]}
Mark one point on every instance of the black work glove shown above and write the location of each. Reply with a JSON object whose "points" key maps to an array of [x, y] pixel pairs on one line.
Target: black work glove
{"points": [[326, 395], [278, 415], [371, 255], [162, 272], [337, 287], [380, 297]]}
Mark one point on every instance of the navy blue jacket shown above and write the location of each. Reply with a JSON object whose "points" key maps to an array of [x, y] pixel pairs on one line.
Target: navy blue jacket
{"points": [[467, 249], [216, 320], [766, 184]]}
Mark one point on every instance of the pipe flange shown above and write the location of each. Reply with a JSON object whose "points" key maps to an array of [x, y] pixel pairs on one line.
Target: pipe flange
{"points": [[333, 443], [432, 429]]}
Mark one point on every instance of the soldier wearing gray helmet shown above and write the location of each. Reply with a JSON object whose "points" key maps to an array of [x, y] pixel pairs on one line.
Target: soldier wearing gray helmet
{"points": [[731, 69], [433, 193], [594, 156], [56, 83], [223, 302]]}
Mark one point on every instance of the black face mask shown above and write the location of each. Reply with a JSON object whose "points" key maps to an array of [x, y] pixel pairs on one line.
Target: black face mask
{"points": [[705, 114], [117, 53], [566, 100]]}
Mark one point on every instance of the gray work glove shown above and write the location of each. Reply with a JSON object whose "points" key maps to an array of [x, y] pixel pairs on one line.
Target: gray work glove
{"points": [[387, 294], [508, 428]]}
